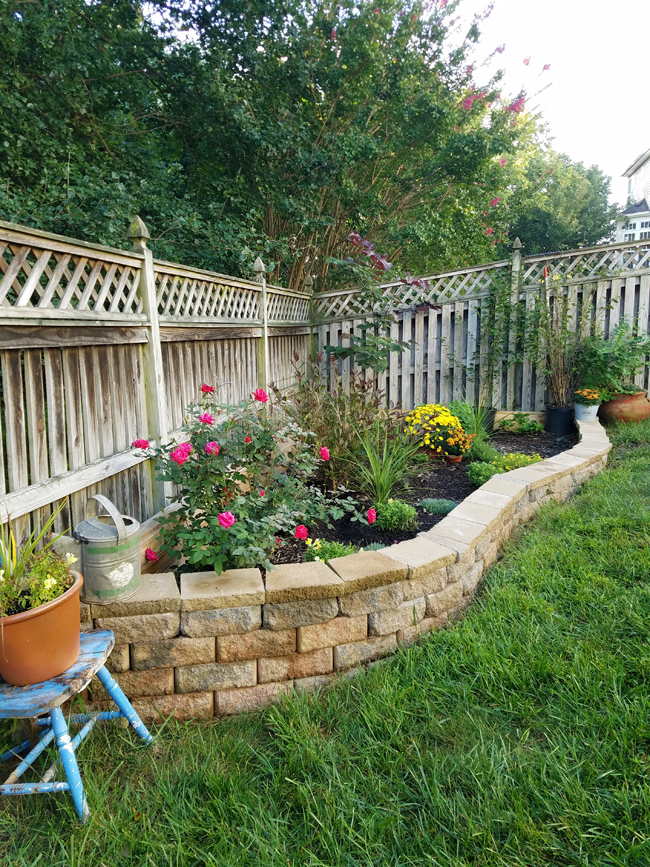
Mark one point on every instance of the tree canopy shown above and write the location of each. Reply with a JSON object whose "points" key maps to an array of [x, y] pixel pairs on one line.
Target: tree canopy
{"points": [[238, 127]]}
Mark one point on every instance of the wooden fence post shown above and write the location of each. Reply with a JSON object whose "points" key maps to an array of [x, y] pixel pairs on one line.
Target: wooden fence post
{"points": [[515, 274], [260, 277], [313, 337], [154, 374]]}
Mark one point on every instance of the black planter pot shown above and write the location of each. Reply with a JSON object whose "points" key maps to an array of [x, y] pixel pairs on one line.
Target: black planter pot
{"points": [[559, 420], [490, 418]]}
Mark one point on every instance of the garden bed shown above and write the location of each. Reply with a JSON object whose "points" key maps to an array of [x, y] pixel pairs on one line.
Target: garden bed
{"points": [[437, 480]]}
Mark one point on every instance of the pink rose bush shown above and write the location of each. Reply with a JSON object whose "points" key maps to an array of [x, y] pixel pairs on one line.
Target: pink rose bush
{"points": [[140, 444], [244, 476]]}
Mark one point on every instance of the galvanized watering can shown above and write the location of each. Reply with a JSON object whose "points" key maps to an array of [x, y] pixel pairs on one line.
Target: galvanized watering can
{"points": [[110, 555]]}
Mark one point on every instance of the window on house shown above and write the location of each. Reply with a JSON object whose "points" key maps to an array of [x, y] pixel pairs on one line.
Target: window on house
{"points": [[646, 225], [632, 226], [644, 235], [629, 237]]}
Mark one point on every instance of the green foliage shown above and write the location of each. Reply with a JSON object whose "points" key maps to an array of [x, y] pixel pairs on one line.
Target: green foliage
{"points": [[323, 550], [476, 419], [610, 364], [259, 476], [374, 546], [396, 515], [623, 433], [386, 459], [30, 572], [482, 451], [438, 507], [479, 472], [330, 415], [521, 423]]}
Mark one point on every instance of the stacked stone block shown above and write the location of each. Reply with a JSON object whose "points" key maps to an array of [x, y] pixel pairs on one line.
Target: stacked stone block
{"points": [[224, 644]]}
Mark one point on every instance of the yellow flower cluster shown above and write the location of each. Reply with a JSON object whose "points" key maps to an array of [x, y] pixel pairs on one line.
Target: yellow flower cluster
{"points": [[438, 429]]}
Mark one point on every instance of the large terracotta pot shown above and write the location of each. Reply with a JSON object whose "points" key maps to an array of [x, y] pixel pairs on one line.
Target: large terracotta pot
{"points": [[43, 642], [626, 407]]}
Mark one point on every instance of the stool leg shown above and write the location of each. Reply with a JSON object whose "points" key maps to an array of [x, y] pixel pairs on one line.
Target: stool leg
{"points": [[63, 742], [123, 703]]}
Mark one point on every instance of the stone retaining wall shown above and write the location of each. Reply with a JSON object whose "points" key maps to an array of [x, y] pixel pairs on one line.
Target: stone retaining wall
{"points": [[228, 643]]}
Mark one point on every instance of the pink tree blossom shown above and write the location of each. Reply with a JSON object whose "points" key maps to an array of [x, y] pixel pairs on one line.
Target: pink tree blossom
{"points": [[489, 231], [503, 162], [526, 61], [495, 201]]}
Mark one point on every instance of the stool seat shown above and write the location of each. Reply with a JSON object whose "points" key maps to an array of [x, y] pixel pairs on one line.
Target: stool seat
{"points": [[26, 702], [42, 702]]}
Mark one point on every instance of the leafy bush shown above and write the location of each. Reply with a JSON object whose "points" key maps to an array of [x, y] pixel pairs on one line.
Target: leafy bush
{"points": [[438, 507], [610, 364], [396, 515], [524, 424], [321, 549], [482, 451], [243, 476], [480, 472]]}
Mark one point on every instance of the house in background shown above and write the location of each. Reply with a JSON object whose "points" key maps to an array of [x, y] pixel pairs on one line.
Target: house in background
{"points": [[634, 224]]}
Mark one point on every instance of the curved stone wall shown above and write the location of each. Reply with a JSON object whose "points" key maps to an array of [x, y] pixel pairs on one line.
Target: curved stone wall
{"points": [[228, 643]]}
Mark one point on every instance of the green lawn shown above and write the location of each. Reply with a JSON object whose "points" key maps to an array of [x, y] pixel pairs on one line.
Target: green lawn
{"points": [[521, 736]]}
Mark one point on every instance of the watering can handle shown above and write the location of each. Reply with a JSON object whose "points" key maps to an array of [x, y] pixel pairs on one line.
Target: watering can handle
{"points": [[113, 512]]}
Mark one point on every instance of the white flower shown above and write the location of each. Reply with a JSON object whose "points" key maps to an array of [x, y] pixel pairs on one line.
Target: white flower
{"points": [[2, 576], [49, 583], [70, 559]]}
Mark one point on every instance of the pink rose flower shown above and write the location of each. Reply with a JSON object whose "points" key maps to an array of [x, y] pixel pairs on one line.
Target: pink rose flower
{"points": [[372, 516], [226, 519], [140, 444], [261, 395], [262, 493], [206, 418], [181, 453], [278, 540], [206, 389], [301, 532], [325, 453], [247, 440], [212, 448], [151, 555]]}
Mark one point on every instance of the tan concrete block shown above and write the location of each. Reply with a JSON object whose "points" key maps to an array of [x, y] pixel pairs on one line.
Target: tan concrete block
{"points": [[311, 684], [537, 474], [482, 547], [407, 614], [503, 484], [291, 582], [142, 627], [490, 556], [457, 529], [173, 652], [221, 621], [262, 642], [471, 578], [157, 594], [289, 615], [296, 665], [349, 655], [375, 599], [444, 601], [119, 658], [229, 701], [422, 556], [157, 681], [156, 708], [492, 499], [460, 548], [340, 630], [477, 514], [215, 675], [408, 636], [423, 586], [234, 588], [367, 569]]}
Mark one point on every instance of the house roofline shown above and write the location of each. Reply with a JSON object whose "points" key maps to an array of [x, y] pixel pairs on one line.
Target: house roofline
{"points": [[638, 162]]}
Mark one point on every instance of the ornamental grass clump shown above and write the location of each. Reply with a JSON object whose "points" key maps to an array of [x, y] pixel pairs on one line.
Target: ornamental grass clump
{"points": [[243, 476]]}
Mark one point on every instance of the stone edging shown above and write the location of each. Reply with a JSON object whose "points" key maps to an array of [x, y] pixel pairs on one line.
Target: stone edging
{"points": [[227, 643]]}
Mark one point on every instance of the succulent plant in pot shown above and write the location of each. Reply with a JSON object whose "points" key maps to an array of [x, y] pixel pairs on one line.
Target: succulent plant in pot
{"points": [[39, 607]]}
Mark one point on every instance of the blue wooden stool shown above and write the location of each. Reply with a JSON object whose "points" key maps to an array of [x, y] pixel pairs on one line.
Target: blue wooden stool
{"points": [[32, 702]]}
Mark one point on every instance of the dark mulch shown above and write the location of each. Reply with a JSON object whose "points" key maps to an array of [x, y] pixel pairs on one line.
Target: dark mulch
{"points": [[437, 479]]}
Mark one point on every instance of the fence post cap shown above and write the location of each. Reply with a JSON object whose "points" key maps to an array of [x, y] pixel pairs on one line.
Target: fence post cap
{"points": [[259, 269], [517, 245], [138, 233]]}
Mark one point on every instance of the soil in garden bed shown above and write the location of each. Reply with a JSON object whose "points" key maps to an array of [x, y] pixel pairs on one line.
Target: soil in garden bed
{"points": [[437, 480]]}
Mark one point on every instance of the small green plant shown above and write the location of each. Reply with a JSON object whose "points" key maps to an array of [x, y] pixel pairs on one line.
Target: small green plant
{"points": [[322, 550], [396, 515], [476, 420], [387, 459], [374, 546], [479, 472], [521, 423], [438, 507], [482, 451]]}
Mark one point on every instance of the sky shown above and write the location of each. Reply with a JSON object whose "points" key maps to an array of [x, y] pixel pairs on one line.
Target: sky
{"points": [[597, 104]]}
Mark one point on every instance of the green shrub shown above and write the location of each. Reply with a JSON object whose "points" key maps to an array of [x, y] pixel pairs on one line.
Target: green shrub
{"points": [[480, 472], [321, 549], [482, 451], [396, 515], [438, 507], [524, 424]]}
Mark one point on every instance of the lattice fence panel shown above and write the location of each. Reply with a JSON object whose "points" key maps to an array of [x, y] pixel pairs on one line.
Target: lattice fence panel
{"points": [[286, 307], [190, 294]]}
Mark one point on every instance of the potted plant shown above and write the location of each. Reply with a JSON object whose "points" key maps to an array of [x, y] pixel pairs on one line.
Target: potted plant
{"points": [[609, 364], [586, 402], [39, 607]]}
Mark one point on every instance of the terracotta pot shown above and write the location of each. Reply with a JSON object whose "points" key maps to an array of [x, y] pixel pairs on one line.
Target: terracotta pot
{"points": [[453, 459], [626, 407], [43, 642]]}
